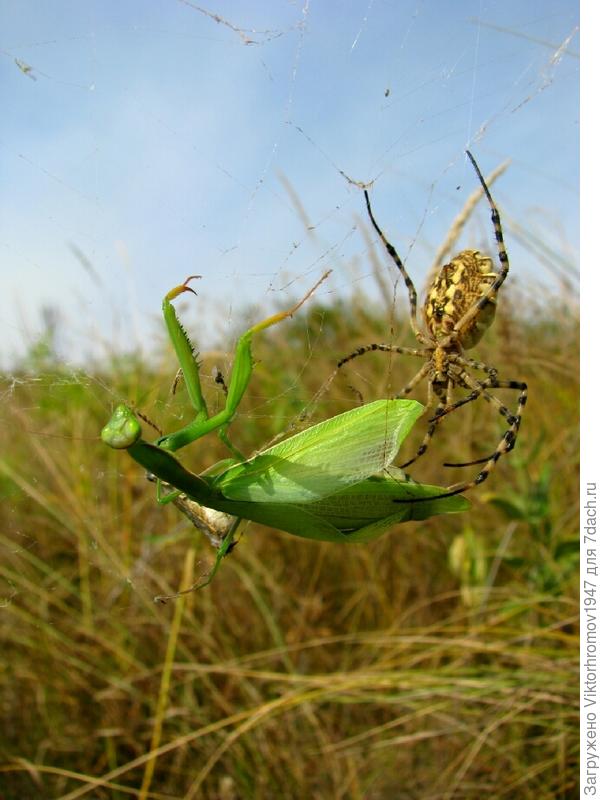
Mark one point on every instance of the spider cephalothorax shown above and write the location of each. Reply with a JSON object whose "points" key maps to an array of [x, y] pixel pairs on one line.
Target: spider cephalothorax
{"points": [[459, 307]]}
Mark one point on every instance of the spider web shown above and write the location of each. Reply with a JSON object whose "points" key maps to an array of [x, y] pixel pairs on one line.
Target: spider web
{"points": [[147, 143]]}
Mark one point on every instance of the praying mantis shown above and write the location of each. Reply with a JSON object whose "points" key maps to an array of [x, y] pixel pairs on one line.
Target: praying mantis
{"points": [[332, 482]]}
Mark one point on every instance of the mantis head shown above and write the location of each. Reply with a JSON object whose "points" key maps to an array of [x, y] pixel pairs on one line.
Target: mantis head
{"points": [[122, 429]]}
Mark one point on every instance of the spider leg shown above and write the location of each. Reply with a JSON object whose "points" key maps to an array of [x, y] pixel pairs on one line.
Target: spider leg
{"points": [[502, 254], [473, 396], [386, 348], [412, 292], [480, 365], [490, 293], [413, 382], [441, 411], [463, 379], [506, 443], [501, 410], [479, 390], [441, 393], [493, 383], [453, 406]]}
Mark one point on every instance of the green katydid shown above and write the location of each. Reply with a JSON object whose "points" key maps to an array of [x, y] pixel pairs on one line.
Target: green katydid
{"points": [[333, 482]]}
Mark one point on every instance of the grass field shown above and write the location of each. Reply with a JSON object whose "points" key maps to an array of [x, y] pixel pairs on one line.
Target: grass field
{"points": [[439, 662]]}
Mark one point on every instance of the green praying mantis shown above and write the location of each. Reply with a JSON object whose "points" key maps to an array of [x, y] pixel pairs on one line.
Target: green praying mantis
{"points": [[334, 481]]}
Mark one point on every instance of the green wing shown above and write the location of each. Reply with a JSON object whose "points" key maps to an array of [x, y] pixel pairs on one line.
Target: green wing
{"points": [[325, 458], [368, 509]]}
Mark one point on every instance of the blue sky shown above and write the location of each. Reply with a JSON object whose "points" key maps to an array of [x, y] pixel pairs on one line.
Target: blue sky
{"points": [[145, 141]]}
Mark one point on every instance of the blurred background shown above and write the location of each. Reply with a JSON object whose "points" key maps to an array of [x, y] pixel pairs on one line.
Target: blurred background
{"points": [[142, 143]]}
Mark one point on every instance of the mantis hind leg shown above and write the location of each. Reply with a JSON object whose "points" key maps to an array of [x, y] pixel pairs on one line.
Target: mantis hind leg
{"points": [[224, 550]]}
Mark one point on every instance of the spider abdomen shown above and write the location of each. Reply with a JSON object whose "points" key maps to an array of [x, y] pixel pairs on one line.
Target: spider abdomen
{"points": [[454, 291]]}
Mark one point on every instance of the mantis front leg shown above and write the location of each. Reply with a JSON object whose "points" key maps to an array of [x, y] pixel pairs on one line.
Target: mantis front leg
{"points": [[240, 374]]}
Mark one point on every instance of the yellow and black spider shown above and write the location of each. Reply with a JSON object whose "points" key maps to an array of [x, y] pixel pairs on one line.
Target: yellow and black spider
{"points": [[459, 307]]}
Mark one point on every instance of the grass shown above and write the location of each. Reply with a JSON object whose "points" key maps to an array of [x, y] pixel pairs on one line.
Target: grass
{"points": [[438, 663]]}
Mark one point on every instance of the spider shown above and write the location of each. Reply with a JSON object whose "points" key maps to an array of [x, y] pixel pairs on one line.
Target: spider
{"points": [[459, 307]]}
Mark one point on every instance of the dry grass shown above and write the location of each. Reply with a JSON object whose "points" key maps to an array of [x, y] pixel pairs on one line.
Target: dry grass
{"points": [[440, 662]]}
